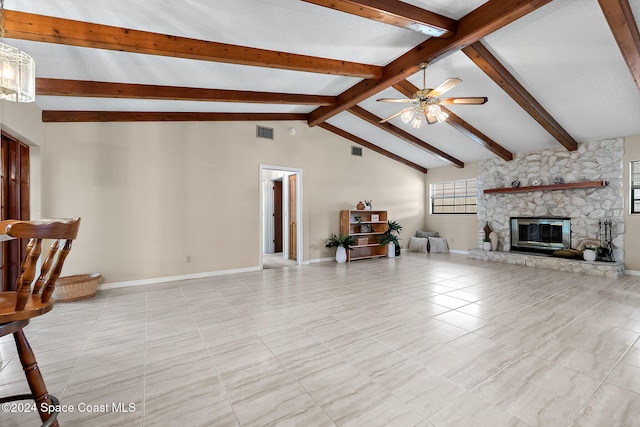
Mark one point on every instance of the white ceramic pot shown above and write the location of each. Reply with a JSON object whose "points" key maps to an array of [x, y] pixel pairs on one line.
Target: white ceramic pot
{"points": [[589, 255], [391, 250], [486, 246], [341, 255]]}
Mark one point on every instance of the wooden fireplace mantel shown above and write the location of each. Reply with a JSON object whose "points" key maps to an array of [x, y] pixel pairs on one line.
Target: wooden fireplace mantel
{"points": [[550, 187]]}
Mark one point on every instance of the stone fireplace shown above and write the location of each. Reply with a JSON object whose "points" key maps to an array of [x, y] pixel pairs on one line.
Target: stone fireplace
{"points": [[583, 208]]}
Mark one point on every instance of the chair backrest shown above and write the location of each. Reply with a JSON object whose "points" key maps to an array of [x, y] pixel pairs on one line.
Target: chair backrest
{"points": [[62, 232]]}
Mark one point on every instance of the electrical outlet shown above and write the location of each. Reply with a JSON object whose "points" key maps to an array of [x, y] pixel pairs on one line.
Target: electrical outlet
{"points": [[188, 259]]}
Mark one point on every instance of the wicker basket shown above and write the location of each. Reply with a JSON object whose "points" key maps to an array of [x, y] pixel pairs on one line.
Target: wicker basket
{"points": [[73, 288], [361, 241]]}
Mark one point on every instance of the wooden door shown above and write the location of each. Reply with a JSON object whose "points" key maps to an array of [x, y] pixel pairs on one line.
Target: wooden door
{"points": [[293, 227], [15, 172], [277, 216]]}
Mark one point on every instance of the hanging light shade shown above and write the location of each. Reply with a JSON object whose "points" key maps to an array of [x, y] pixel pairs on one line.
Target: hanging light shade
{"points": [[17, 70], [436, 111], [17, 75]]}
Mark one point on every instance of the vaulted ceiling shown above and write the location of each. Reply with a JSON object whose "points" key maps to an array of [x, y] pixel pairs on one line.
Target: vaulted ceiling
{"points": [[556, 73]]}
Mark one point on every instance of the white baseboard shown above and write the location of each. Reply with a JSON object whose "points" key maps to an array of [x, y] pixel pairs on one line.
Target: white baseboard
{"points": [[157, 280], [632, 273]]}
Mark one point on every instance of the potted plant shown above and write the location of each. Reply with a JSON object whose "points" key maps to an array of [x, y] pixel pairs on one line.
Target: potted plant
{"points": [[390, 238], [486, 244], [589, 253], [342, 243]]}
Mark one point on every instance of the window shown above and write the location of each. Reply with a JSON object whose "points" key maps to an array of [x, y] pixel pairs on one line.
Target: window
{"points": [[635, 187], [455, 197]]}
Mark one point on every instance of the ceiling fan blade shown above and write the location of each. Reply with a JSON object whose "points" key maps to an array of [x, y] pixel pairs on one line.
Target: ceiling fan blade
{"points": [[394, 115], [395, 100], [443, 87], [471, 100]]}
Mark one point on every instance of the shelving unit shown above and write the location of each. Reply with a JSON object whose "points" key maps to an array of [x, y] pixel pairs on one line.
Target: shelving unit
{"points": [[350, 226], [550, 187]]}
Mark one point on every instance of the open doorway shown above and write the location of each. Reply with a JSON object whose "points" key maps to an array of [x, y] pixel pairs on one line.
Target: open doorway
{"points": [[280, 213]]}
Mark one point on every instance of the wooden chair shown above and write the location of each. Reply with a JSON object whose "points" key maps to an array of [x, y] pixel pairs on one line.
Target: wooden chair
{"points": [[31, 299]]}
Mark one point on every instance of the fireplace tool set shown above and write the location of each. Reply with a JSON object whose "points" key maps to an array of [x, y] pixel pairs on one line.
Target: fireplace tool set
{"points": [[605, 252]]}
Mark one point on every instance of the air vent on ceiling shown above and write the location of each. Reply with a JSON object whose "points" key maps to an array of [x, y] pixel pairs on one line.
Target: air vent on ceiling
{"points": [[263, 132], [356, 151]]}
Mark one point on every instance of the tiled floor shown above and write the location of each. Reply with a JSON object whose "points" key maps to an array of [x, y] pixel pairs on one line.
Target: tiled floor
{"points": [[420, 340]]}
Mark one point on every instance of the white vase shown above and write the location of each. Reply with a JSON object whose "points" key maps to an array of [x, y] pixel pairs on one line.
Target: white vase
{"points": [[589, 255], [391, 250], [486, 246], [494, 240], [341, 255]]}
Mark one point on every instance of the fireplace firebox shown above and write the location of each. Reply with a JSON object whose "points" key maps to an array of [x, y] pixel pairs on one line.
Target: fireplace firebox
{"points": [[540, 234]]}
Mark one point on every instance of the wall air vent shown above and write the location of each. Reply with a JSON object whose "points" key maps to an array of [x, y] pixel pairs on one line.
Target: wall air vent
{"points": [[356, 151], [264, 132]]}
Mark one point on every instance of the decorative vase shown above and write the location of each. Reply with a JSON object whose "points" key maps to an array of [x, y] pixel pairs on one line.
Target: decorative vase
{"points": [[360, 206], [589, 255], [341, 255], [487, 229], [391, 250], [486, 246], [493, 236]]}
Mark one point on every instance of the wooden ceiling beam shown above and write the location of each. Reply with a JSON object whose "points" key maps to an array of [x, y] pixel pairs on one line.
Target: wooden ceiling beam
{"points": [[484, 59], [371, 118], [82, 88], [625, 30], [59, 116], [39, 28], [372, 147], [482, 21], [408, 89], [394, 12]]}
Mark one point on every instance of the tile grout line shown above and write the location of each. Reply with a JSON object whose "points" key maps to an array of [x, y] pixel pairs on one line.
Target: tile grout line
{"points": [[75, 365], [209, 351]]}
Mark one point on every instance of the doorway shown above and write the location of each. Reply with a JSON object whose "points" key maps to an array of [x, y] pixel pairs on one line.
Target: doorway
{"points": [[280, 213], [14, 200]]}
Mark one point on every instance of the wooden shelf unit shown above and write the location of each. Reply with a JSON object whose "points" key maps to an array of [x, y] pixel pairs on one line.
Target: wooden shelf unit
{"points": [[349, 226], [550, 187]]}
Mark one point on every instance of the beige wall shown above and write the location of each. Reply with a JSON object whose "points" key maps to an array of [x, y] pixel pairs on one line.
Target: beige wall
{"points": [[461, 231], [632, 222], [151, 194]]}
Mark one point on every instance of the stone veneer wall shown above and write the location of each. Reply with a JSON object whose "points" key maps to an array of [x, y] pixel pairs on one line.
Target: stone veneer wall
{"points": [[593, 161]]}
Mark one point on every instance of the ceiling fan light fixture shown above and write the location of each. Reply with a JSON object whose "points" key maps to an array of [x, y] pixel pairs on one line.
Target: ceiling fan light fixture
{"points": [[436, 111], [417, 121], [407, 116], [17, 70]]}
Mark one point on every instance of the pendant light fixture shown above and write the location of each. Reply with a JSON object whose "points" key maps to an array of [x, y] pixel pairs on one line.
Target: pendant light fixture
{"points": [[17, 70]]}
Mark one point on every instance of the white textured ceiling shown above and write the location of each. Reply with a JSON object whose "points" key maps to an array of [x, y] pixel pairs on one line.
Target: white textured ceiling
{"points": [[564, 54]]}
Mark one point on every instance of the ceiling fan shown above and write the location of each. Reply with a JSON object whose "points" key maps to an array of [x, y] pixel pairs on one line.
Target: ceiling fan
{"points": [[426, 102]]}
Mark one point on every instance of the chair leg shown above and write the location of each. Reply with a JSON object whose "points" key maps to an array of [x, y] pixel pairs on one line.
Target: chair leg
{"points": [[34, 377]]}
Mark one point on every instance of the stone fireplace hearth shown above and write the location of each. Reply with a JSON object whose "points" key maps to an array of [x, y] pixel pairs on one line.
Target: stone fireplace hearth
{"points": [[585, 207]]}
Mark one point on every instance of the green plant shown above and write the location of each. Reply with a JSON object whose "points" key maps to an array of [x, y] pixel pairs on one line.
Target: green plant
{"points": [[344, 241], [391, 235], [486, 239], [394, 227], [589, 248]]}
